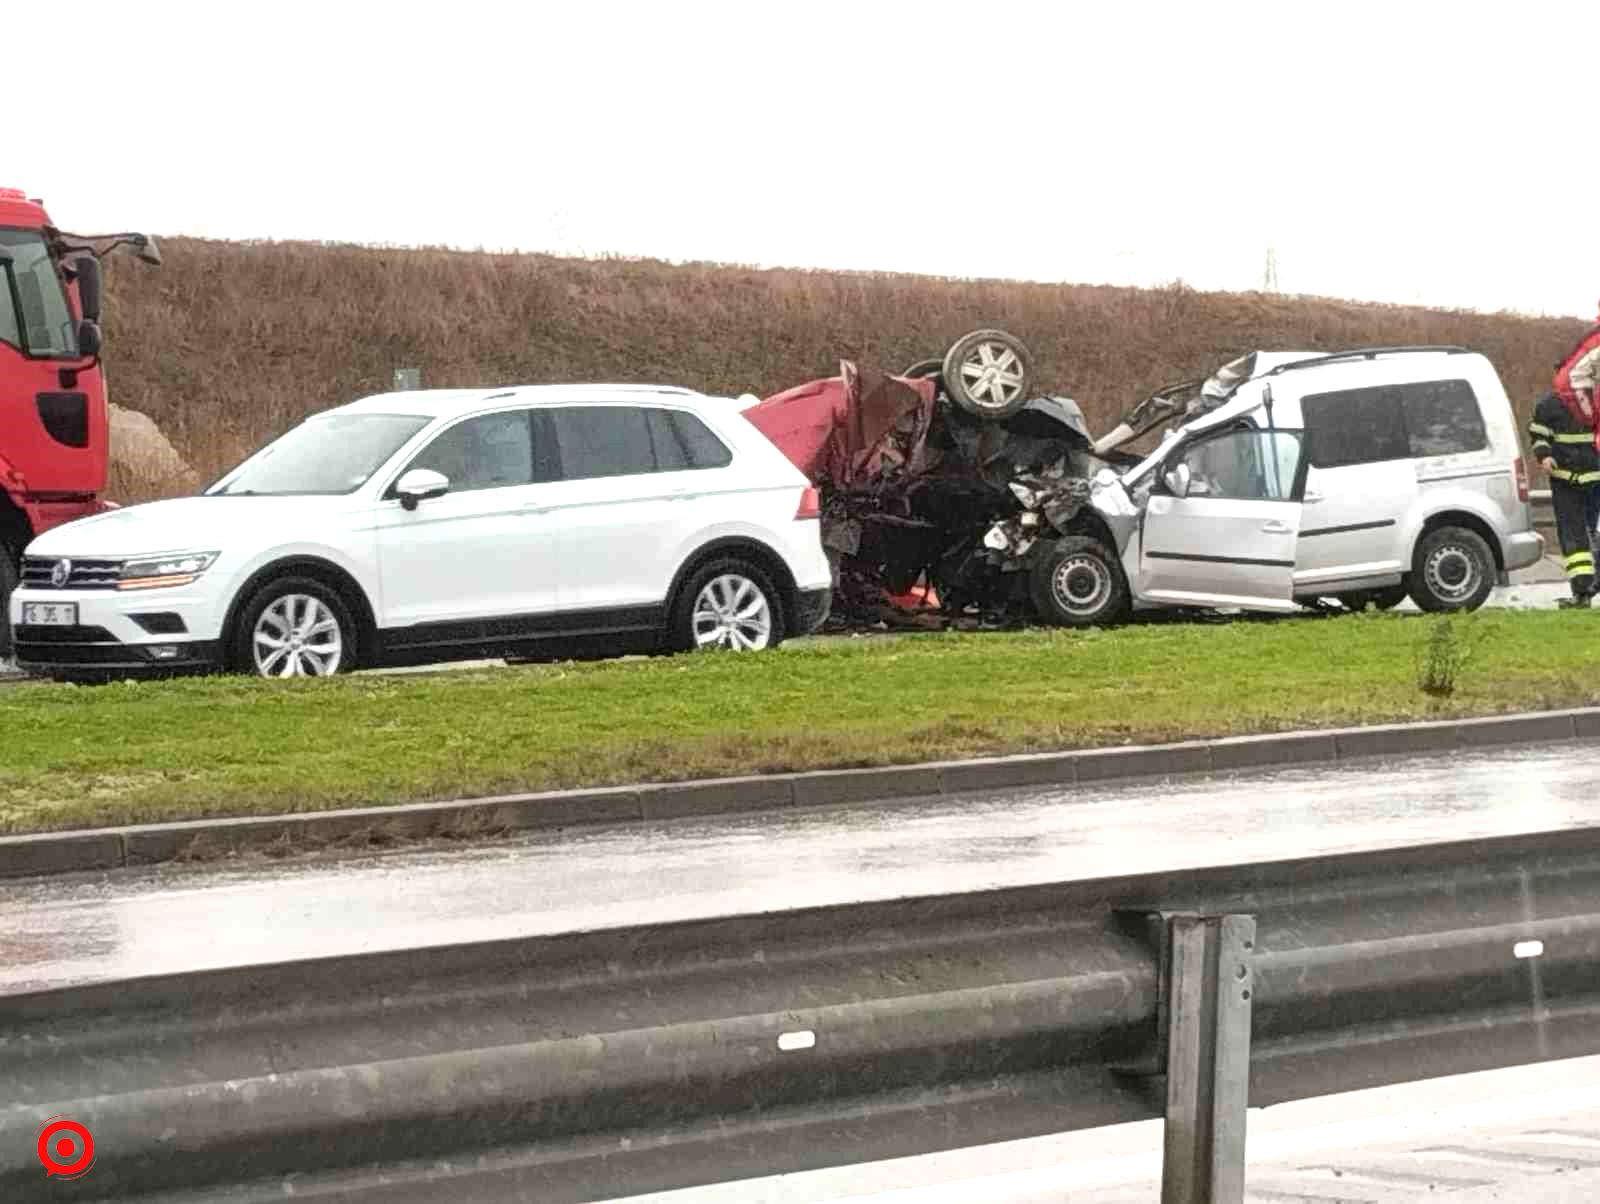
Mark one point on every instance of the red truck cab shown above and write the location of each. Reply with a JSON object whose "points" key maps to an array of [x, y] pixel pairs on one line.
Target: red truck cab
{"points": [[54, 421]]}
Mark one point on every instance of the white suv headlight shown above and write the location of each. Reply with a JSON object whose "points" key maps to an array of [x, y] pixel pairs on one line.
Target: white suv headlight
{"points": [[157, 572]]}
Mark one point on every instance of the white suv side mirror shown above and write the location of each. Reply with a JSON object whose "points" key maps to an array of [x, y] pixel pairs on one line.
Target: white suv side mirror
{"points": [[1178, 480], [419, 485]]}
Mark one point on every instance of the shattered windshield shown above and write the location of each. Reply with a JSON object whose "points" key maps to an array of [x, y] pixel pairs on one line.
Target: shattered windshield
{"points": [[34, 316], [335, 453]]}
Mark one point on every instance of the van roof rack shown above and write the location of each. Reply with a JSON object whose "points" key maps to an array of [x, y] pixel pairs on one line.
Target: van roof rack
{"points": [[1366, 353]]}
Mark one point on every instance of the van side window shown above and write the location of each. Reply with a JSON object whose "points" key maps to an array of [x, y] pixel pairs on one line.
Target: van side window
{"points": [[1355, 426], [1443, 418], [1253, 464], [1393, 422]]}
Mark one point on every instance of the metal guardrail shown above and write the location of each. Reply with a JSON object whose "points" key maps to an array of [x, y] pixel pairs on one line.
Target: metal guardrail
{"points": [[606, 1063]]}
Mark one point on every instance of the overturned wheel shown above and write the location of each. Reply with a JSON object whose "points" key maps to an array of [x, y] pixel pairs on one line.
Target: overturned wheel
{"points": [[988, 373]]}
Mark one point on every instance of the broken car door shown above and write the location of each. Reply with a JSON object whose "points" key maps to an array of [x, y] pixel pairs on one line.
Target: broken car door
{"points": [[1220, 526]]}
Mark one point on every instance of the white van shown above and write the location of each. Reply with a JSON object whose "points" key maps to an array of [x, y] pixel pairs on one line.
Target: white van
{"points": [[1363, 475]]}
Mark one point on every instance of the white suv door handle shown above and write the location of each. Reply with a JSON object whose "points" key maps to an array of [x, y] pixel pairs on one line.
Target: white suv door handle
{"points": [[1273, 527], [1312, 497]]}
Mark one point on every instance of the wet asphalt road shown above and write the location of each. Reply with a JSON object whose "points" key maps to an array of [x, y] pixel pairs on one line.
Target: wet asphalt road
{"points": [[82, 928]]}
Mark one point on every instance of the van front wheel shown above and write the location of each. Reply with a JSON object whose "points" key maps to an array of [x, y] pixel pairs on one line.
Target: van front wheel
{"points": [[1453, 569], [1078, 583]]}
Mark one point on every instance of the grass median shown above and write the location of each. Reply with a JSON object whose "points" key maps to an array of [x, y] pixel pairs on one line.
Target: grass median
{"points": [[134, 752]]}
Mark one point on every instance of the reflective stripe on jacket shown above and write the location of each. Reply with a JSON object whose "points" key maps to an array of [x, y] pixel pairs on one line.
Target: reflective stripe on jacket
{"points": [[1559, 432]]}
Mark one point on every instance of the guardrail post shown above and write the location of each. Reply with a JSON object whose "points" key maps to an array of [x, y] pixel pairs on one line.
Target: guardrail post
{"points": [[1206, 1029]]}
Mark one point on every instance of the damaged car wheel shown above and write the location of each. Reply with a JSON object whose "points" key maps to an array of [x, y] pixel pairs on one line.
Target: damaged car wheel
{"points": [[1078, 583], [728, 603], [988, 373]]}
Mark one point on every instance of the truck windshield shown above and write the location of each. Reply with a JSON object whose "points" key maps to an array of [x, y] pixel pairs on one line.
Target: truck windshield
{"points": [[34, 317], [331, 454]]}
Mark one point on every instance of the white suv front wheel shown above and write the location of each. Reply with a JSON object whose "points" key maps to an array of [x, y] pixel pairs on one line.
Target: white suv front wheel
{"points": [[294, 627]]}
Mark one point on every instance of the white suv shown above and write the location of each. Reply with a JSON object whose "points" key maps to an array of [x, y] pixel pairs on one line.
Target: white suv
{"points": [[442, 525]]}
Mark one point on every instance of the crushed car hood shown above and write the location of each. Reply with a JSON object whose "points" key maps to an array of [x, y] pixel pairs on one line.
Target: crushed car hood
{"points": [[836, 430]]}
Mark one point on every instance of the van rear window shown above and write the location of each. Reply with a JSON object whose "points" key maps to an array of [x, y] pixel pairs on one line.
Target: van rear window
{"points": [[1393, 422]]}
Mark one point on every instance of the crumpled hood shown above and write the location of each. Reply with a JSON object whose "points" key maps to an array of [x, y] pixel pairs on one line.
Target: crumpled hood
{"points": [[188, 524]]}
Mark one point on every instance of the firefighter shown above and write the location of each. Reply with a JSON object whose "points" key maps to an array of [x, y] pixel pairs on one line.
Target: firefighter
{"points": [[1565, 442]]}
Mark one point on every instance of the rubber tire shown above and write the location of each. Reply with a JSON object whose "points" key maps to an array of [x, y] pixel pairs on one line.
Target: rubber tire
{"points": [[240, 658], [925, 370], [1117, 605], [1386, 598], [1470, 542], [680, 633], [8, 583], [955, 385]]}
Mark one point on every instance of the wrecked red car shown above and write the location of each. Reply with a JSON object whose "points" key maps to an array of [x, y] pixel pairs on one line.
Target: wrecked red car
{"points": [[937, 482]]}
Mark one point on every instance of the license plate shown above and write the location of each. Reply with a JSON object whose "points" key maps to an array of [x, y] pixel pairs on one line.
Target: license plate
{"points": [[49, 614]]}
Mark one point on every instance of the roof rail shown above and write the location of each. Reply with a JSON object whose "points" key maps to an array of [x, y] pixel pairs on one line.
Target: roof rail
{"points": [[1366, 353], [633, 388]]}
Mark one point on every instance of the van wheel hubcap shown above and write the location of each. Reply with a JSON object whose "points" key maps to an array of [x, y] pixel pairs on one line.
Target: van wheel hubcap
{"points": [[297, 636], [1452, 573], [732, 612], [1081, 584]]}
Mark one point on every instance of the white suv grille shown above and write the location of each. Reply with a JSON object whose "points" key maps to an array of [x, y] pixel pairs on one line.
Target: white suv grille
{"points": [[38, 572]]}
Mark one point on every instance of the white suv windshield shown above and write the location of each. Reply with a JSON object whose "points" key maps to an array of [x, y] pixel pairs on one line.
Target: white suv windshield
{"points": [[332, 454]]}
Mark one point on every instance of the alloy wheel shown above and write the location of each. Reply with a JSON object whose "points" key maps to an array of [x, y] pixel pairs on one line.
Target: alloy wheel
{"points": [[297, 635], [992, 374], [732, 612]]}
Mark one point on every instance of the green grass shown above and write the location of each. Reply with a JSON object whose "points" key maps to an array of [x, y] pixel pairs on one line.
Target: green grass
{"points": [[135, 752]]}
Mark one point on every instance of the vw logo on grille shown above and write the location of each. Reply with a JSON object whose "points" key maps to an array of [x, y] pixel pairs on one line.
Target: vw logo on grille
{"points": [[60, 574]]}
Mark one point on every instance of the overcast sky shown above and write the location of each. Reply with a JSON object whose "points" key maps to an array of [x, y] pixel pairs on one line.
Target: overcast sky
{"points": [[1442, 153]]}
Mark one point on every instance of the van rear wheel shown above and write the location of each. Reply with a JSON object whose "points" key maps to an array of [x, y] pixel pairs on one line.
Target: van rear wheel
{"points": [[1453, 569]]}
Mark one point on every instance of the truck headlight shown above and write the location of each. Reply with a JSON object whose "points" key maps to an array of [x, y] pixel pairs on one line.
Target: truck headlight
{"points": [[157, 572]]}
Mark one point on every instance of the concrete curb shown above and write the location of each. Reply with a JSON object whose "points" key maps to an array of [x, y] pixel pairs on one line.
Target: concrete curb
{"points": [[376, 827]]}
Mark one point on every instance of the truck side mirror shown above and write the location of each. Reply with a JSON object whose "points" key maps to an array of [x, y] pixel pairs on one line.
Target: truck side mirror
{"points": [[89, 339], [149, 252], [87, 270], [1177, 480]]}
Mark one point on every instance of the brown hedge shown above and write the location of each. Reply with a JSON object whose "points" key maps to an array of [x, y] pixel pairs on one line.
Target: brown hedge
{"points": [[227, 344]]}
